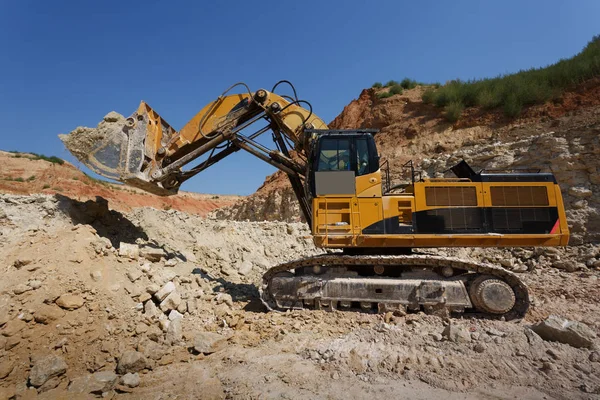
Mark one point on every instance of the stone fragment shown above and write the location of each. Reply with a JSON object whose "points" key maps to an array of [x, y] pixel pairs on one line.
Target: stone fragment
{"points": [[13, 327], [151, 349], [174, 333], [208, 342], [456, 333], [171, 262], [4, 315], [164, 291], [479, 347], [21, 288], [96, 276], [245, 268], [131, 361], [6, 367], [47, 313], [558, 329], [12, 342], [182, 307], [50, 384], [580, 192], [144, 297], [594, 356], [174, 314], [45, 368], [141, 328], [70, 301], [131, 380], [152, 288], [171, 302], [224, 298], [35, 284], [495, 332], [113, 116], [151, 310], [129, 250], [152, 253], [21, 262], [97, 383], [134, 274], [567, 265]]}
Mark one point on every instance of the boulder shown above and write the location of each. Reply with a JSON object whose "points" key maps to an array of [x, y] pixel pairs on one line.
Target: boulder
{"points": [[131, 361], [13, 327], [70, 301], [6, 367], [164, 291], [580, 192], [152, 253], [131, 380], [134, 274], [151, 310], [45, 368], [208, 342], [245, 267], [456, 333], [47, 313], [171, 302], [21, 288], [129, 250], [174, 333], [573, 333], [97, 383], [224, 298]]}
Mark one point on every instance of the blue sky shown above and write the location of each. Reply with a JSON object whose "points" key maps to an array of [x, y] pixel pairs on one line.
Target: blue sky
{"points": [[68, 63]]}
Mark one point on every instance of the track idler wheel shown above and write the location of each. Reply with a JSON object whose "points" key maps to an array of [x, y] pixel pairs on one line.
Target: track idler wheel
{"points": [[492, 295]]}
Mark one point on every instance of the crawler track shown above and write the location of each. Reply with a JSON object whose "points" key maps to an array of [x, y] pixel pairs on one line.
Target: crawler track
{"points": [[464, 271]]}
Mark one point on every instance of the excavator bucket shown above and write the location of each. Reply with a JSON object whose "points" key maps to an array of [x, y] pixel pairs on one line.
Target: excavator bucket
{"points": [[123, 149]]}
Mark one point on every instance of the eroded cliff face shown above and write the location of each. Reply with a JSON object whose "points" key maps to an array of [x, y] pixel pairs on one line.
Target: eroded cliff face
{"points": [[561, 137]]}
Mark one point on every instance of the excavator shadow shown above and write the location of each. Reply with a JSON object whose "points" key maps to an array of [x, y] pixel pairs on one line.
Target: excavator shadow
{"points": [[243, 292], [108, 223]]}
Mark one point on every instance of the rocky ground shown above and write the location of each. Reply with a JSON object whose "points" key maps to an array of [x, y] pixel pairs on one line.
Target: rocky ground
{"points": [[161, 304]]}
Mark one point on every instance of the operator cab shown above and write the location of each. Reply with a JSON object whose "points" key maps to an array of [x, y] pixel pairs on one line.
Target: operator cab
{"points": [[338, 157]]}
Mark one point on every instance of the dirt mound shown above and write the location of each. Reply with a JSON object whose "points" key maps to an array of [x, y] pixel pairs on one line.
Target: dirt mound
{"points": [[24, 173], [97, 303]]}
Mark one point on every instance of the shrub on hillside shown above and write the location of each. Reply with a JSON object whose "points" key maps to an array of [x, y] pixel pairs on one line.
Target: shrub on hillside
{"points": [[377, 85], [396, 89], [384, 95], [453, 111], [428, 96], [514, 91], [408, 83], [391, 82]]}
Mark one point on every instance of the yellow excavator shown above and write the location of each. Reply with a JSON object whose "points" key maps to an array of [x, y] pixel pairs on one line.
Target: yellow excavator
{"points": [[346, 197]]}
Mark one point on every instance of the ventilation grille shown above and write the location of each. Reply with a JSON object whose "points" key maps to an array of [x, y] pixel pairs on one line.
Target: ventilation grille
{"points": [[450, 220], [519, 196], [450, 196], [524, 220]]}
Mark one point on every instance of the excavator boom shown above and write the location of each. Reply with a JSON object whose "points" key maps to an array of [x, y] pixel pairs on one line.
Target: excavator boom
{"points": [[145, 151]]}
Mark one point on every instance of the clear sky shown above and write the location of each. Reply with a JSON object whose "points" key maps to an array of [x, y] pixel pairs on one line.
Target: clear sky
{"points": [[68, 63]]}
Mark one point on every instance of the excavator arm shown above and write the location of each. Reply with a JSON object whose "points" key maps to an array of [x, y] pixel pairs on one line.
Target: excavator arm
{"points": [[147, 152]]}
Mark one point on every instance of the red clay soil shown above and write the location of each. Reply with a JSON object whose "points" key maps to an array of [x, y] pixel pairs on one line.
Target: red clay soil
{"points": [[22, 174]]}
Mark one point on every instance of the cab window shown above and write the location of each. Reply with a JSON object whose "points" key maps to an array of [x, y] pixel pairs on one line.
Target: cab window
{"points": [[362, 156], [334, 155]]}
